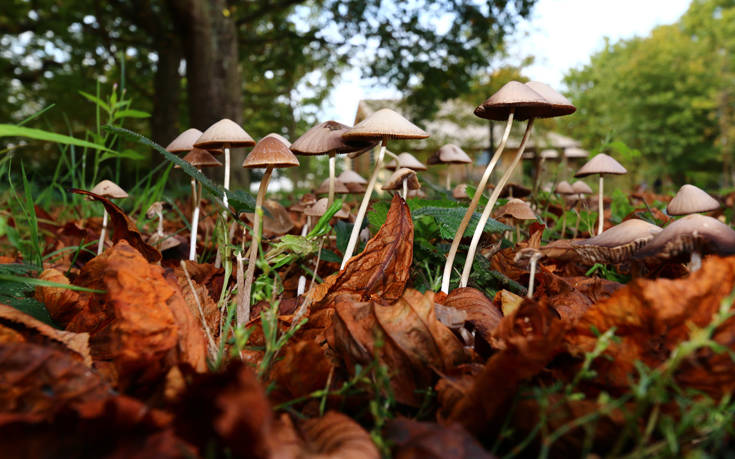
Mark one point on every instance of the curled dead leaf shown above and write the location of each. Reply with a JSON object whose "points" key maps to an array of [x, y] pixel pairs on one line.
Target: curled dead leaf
{"points": [[61, 303], [482, 314], [336, 436]]}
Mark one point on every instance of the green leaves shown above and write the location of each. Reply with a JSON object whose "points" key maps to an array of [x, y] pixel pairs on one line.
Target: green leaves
{"points": [[449, 219], [10, 130]]}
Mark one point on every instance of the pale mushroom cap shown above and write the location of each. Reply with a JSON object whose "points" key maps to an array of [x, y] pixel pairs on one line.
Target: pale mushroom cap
{"points": [[276, 220], [694, 232], [321, 139], [395, 182], [691, 199], [560, 103], [515, 95], [580, 187], [184, 141], [416, 194], [317, 209], [564, 187], [450, 154], [385, 123], [270, 152], [520, 210], [460, 191], [350, 176], [109, 189], [163, 242], [618, 243], [224, 132], [601, 164], [339, 187], [155, 209], [198, 157], [356, 188], [278, 136], [408, 161]]}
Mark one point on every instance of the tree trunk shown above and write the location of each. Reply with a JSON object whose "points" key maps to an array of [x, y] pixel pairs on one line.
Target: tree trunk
{"points": [[167, 84]]}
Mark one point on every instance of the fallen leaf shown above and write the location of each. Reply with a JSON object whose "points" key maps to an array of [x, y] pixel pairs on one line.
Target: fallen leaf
{"points": [[303, 369], [336, 436], [61, 303], [481, 312], [427, 440]]}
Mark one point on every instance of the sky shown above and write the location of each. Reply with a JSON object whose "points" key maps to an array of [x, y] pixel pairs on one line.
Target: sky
{"points": [[560, 34]]}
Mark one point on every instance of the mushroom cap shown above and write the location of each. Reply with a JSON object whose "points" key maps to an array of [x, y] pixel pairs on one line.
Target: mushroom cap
{"points": [[109, 189], [320, 207], [184, 141], [278, 136], [395, 182], [561, 104], [580, 187], [339, 187], [515, 189], [408, 161], [270, 152], [305, 201], [155, 209], [618, 243], [449, 154], [695, 232], [198, 157], [601, 164], [460, 191], [515, 95], [276, 221], [327, 138], [385, 124], [564, 187], [224, 132], [349, 176], [691, 199], [520, 210], [416, 194], [163, 242]]}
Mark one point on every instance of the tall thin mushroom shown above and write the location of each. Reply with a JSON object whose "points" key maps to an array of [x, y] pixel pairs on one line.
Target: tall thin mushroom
{"points": [[556, 105], [110, 190], [403, 179], [384, 124], [601, 164]]}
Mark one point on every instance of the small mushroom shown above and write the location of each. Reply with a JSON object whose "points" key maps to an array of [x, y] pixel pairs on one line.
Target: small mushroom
{"points": [[403, 179], [518, 211], [690, 200], [449, 154], [199, 158], [529, 257], [601, 164], [616, 244], [184, 142], [111, 190], [276, 223], [405, 160], [581, 189], [460, 192], [335, 186], [353, 181]]}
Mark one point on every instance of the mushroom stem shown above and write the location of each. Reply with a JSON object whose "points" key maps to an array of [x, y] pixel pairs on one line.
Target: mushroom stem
{"points": [[194, 223], [449, 179], [518, 233], [405, 189], [602, 210], [363, 205], [490, 204], [332, 163], [473, 205], [159, 229], [193, 194], [243, 306], [532, 274], [576, 209], [226, 182], [101, 244], [695, 261]]}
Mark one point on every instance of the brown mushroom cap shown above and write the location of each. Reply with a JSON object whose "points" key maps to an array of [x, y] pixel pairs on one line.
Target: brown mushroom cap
{"points": [[449, 154], [185, 141], [692, 233], [276, 221], [224, 132], [109, 189], [460, 191], [320, 207], [270, 152], [199, 158], [278, 136], [564, 188], [561, 104], [526, 103], [349, 176], [514, 189], [691, 199], [385, 123], [326, 138], [601, 164], [408, 161], [155, 209], [416, 194], [339, 187], [618, 243], [520, 210], [395, 182], [579, 187], [163, 242]]}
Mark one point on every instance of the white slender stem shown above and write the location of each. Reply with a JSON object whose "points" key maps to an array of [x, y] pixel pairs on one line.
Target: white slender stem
{"points": [[405, 189], [159, 230], [602, 209], [101, 244], [301, 288], [449, 178], [532, 274], [695, 261], [473, 205], [363, 206], [194, 227], [226, 182], [489, 207], [332, 163]]}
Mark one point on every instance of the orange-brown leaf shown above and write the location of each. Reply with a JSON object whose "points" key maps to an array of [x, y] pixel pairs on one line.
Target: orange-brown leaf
{"points": [[336, 436]]}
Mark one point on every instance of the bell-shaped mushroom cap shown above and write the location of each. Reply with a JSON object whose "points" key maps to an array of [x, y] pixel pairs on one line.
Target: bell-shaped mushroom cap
{"points": [[349, 176], [559, 103], [513, 190], [339, 187], [321, 139], [563, 187], [278, 136], [692, 233], [320, 207], [385, 123], [270, 152], [109, 189], [520, 210], [163, 242], [155, 209], [601, 164], [184, 141], [525, 102], [408, 161], [395, 182], [306, 200], [618, 243], [691, 199], [580, 187], [450, 154], [460, 192], [199, 158], [276, 221], [224, 132], [416, 194], [344, 212]]}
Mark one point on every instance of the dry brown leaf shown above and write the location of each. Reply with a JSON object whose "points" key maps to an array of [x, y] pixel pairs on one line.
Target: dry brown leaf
{"points": [[481, 312], [303, 369], [209, 307], [61, 303], [336, 436], [427, 440]]}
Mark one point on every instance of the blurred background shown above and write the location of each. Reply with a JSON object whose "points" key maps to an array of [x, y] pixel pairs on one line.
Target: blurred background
{"points": [[654, 81]]}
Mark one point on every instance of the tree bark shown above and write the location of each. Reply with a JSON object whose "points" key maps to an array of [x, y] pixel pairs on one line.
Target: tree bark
{"points": [[167, 99]]}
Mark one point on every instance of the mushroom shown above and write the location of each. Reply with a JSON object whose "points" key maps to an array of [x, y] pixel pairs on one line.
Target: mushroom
{"points": [[691, 199], [564, 189], [555, 105], [694, 235], [513, 100], [110, 190], [184, 142], [332, 187], [198, 158], [277, 222], [353, 181], [460, 192], [384, 124], [601, 164], [403, 179], [404, 160], [156, 210], [518, 211], [581, 189], [449, 154], [529, 257], [616, 244], [269, 153], [306, 200], [158, 238]]}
